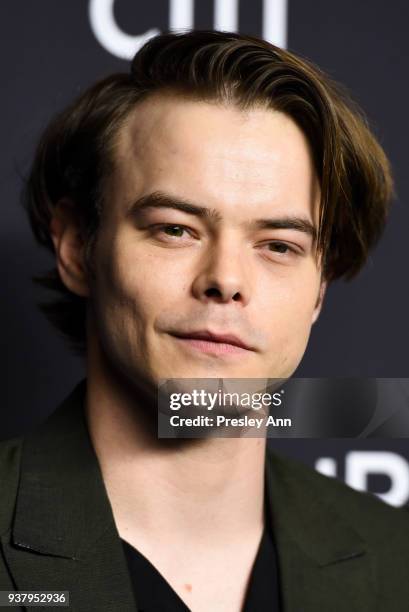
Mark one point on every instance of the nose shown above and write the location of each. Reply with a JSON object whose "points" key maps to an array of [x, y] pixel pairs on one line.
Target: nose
{"points": [[223, 275]]}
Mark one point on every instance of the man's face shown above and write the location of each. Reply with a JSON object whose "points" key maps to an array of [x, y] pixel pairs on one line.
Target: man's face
{"points": [[162, 271]]}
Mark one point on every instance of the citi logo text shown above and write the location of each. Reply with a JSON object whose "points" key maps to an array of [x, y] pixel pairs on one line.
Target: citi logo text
{"points": [[181, 18]]}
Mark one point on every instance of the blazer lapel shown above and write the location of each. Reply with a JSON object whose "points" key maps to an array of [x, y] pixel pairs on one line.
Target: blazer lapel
{"points": [[324, 563], [64, 535]]}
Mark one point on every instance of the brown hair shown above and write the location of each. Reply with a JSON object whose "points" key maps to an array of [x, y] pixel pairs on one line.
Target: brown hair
{"points": [[75, 154]]}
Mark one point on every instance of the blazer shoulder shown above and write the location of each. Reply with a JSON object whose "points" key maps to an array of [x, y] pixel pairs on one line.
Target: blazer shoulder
{"points": [[374, 519], [10, 458]]}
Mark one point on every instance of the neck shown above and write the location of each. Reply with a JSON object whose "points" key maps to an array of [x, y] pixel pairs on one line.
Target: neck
{"points": [[169, 488]]}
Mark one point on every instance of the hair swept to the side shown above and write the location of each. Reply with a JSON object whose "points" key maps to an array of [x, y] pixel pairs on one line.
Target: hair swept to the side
{"points": [[74, 157]]}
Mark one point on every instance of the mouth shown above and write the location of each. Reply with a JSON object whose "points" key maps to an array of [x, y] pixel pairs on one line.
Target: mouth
{"points": [[212, 343]]}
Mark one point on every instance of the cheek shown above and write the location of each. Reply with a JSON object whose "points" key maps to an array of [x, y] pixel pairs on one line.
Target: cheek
{"points": [[140, 282], [290, 297], [287, 314]]}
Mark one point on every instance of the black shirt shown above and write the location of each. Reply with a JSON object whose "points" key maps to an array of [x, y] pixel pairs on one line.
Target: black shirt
{"points": [[154, 594]]}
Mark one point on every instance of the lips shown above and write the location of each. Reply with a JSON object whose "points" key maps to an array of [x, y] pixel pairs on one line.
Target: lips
{"points": [[213, 337]]}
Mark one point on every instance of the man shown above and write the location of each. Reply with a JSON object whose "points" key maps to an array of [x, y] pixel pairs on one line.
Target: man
{"points": [[197, 208]]}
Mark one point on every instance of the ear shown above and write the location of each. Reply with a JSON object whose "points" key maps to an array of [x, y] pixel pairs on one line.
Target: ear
{"points": [[320, 300], [69, 247]]}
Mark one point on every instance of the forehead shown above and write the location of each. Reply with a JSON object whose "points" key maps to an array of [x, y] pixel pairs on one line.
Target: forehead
{"points": [[217, 154]]}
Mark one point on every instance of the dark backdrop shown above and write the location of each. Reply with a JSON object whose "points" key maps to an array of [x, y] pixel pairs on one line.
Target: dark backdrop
{"points": [[50, 52]]}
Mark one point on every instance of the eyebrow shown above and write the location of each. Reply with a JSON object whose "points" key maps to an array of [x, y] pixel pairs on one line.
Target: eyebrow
{"points": [[160, 199]]}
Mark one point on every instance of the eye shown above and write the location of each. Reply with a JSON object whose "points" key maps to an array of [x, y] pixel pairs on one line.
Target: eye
{"points": [[169, 230], [281, 248], [172, 231]]}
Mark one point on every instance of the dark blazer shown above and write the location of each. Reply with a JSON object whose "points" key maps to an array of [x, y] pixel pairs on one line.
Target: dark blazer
{"points": [[338, 550]]}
